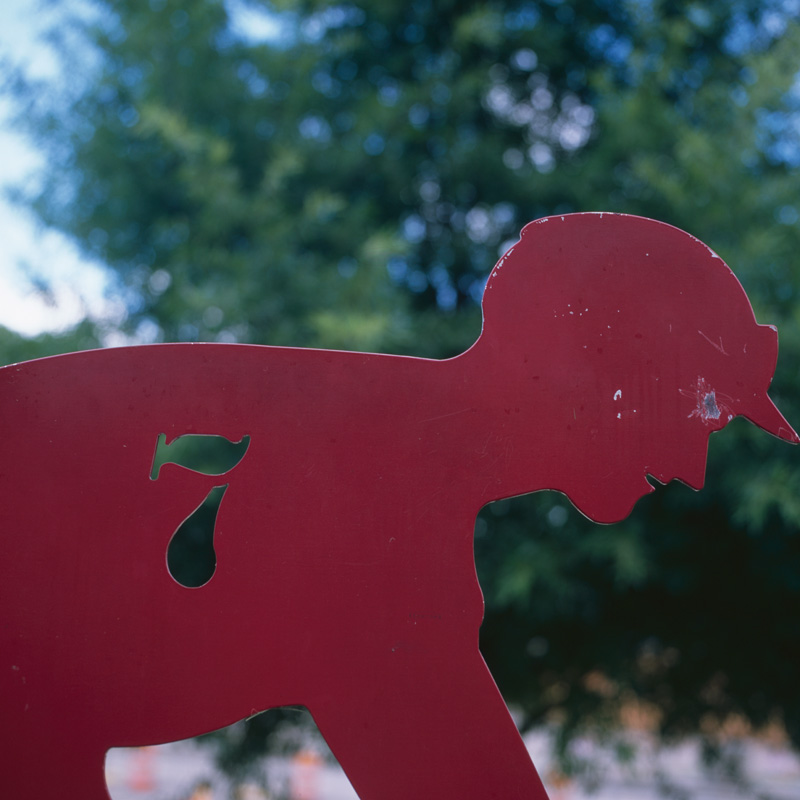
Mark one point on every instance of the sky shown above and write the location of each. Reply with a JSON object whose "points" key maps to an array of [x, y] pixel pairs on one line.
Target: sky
{"points": [[77, 287]]}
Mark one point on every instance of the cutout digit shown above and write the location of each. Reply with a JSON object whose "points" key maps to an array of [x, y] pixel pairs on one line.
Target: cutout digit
{"points": [[191, 558], [208, 454]]}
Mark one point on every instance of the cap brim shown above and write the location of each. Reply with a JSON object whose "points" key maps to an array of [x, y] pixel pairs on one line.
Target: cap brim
{"points": [[765, 414]]}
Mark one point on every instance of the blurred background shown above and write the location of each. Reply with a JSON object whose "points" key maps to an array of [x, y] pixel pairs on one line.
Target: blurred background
{"points": [[345, 175]]}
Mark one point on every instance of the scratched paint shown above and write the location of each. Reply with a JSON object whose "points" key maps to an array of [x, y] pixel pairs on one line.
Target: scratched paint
{"points": [[716, 345], [710, 251], [710, 406]]}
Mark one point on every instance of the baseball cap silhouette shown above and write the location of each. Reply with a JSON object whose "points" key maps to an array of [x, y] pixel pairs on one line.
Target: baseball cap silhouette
{"points": [[634, 341]]}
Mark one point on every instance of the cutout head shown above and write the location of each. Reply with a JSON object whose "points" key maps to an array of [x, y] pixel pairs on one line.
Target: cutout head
{"points": [[630, 341]]}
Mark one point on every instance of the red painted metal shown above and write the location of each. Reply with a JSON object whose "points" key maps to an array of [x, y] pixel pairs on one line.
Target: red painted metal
{"points": [[612, 347]]}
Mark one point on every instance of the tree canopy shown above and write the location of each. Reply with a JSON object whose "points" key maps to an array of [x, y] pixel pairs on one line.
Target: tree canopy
{"points": [[350, 181]]}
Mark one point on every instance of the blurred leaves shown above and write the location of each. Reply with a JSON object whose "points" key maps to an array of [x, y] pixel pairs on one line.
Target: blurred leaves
{"points": [[351, 183]]}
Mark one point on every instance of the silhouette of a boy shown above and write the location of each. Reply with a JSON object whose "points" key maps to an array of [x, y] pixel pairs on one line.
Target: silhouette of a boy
{"points": [[612, 347]]}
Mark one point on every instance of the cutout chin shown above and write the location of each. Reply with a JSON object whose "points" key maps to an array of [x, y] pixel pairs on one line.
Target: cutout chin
{"points": [[695, 484], [613, 504]]}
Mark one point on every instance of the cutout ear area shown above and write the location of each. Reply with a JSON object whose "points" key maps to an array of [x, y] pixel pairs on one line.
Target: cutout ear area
{"points": [[191, 558], [204, 453]]}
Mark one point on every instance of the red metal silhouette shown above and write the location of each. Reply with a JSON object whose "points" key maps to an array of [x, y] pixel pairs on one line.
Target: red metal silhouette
{"points": [[612, 347]]}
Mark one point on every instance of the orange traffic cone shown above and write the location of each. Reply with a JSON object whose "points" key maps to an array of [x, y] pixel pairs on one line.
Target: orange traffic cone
{"points": [[305, 775], [142, 774]]}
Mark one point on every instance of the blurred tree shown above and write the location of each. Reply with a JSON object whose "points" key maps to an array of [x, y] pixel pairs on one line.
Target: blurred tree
{"points": [[350, 182], [14, 347]]}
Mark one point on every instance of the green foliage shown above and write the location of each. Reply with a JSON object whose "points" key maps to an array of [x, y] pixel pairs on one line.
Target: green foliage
{"points": [[351, 184], [15, 348]]}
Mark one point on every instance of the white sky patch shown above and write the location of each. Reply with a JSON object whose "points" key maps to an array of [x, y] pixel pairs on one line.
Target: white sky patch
{"points": [[254, 24], [23, 24], [76, 288]]}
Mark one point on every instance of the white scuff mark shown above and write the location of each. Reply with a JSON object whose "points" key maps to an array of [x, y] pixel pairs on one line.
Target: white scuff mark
{"points": [[710, 251], [619, 416], [709, 405], [502, 261], [618, 394], [719, 346], [449, 414]]}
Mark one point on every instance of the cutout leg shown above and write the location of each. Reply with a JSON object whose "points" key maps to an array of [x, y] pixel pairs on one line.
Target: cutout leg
{"points": [[56, 770], [428, 731]]}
